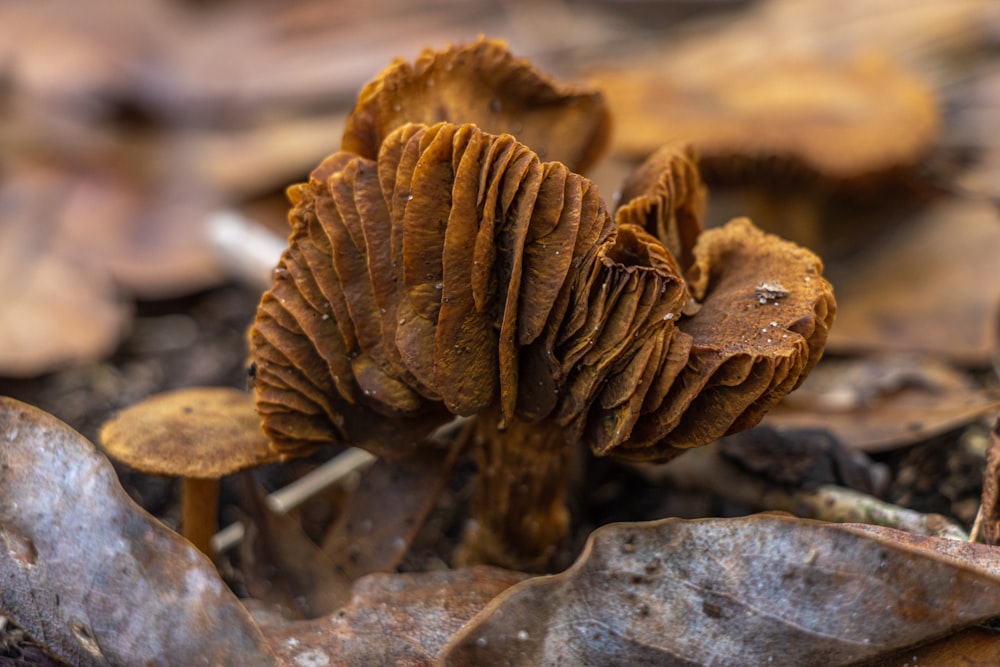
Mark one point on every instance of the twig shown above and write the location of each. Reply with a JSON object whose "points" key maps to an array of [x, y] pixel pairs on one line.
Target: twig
{"points": [[289, 497], [705, 470], [248, 249]]}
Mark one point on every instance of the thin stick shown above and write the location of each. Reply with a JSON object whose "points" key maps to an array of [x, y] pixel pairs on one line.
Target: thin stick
{"points": [[248, 249], [704, 469], [289, 497]]}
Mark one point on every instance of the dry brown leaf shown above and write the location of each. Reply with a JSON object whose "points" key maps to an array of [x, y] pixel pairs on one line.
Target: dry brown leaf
{"points": [[92, 575], [392, 619], [932, 286], [802, 458], [63, 53], [60, 309], [759, 590], [972, 647], [884, 401], [987, 526], [382, 517], [115, 201], [281, 566]]}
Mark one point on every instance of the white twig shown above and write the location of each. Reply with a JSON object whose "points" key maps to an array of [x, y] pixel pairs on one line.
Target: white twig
{"points": [[704, 469], [248, 249], [289, 497]]}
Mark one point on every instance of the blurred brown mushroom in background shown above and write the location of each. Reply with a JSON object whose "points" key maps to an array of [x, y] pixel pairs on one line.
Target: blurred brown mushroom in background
{"points": [[790, 138], [455, 272], [199, 434]]}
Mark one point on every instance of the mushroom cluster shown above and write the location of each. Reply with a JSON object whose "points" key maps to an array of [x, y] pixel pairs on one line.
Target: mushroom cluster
{"points": [[439, 266]]}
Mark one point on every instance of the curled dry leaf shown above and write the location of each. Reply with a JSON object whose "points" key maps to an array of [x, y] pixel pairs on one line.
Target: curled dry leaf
{"points": [[973, 647], [987, 527], [392, 619], [281, 566], [91, 574], [759, 590], [384, 514], [458, 273]]}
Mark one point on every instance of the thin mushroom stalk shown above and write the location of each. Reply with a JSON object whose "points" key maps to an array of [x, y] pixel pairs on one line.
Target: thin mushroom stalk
{"points": [[442, 269], [199, 511]]}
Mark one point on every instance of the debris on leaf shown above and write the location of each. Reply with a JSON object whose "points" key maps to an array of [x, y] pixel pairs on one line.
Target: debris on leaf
{"points": [[884, 401]]}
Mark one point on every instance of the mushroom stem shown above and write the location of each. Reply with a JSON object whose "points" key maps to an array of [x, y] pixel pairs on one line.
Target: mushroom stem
{"points": [[199, 506], [520, 515]]}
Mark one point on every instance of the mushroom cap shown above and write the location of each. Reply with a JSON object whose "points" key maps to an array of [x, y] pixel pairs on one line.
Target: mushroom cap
{"points": [[459, 272], [482, 83], [198, 432], [839, 121]]}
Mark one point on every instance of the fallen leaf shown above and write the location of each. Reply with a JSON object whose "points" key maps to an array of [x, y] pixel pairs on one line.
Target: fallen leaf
{"points": [[987, 527], [384, 514], [931, 286], [760, 590], [838, 121], [59, 310], [392, 619], [282, 566], [881, 402], [91, 574], [972, 647], [802, 457]]}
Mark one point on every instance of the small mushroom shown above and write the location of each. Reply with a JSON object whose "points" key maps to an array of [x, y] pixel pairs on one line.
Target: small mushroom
{"points": [[457, 273], [197, 434]]}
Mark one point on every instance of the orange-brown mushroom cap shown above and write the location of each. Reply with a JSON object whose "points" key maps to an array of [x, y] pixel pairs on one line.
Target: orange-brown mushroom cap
{"points": [[838, 121], [200, 433], [482, 83]]}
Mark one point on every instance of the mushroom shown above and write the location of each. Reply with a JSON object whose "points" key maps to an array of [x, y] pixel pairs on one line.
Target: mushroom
{"points": [[794, 140], [457, 273], [841, 121], [198, 434]]}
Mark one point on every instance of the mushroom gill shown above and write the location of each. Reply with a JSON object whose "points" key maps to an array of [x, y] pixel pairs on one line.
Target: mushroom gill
{"points": [[458, 273]]}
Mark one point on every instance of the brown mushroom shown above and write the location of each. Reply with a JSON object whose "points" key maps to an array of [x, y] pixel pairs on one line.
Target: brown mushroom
{"points": [[841, 121], [458, 273], [482, 83], [792, 140], [197, 434]]}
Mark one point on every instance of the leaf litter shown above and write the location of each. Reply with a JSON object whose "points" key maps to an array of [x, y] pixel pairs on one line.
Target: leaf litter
{"points": [[951, 319]]}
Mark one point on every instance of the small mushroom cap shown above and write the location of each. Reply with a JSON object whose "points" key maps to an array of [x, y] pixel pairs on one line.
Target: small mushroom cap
{"points": [[199, 432]]}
